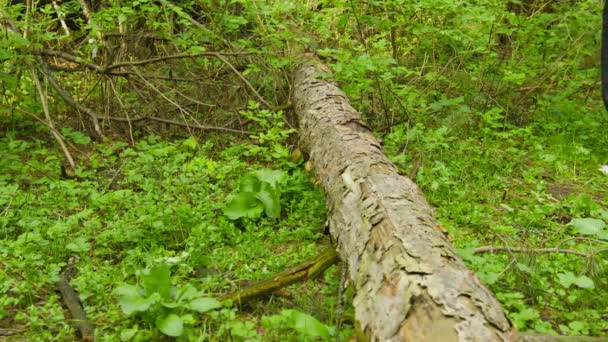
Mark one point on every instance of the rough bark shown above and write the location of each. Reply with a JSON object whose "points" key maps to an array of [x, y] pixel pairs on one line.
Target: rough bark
{"points": [[410, 284]]}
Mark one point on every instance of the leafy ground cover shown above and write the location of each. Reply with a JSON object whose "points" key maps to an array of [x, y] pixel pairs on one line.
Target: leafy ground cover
{"points": [[492, 106]]}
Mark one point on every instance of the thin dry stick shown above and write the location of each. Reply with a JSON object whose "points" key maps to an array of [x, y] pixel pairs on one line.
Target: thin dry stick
{"points": [[126, 112], [491, 249], [47, 114], [177, 105], [61, 17], [239, 75], [185, 15], [67, 97], [170, 57], [86, 10], [176, 123]]}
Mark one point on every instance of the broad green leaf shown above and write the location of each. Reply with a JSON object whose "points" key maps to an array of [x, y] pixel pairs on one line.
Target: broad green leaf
{"points": [[132, 301], [588, 226], [568, 278], [243, 205], [272, 177], [204, 304], [584, 282], [271, 199], [188, 292], [158, 279], [306, 324], [171, 325], [249, 183], [170, 305]]}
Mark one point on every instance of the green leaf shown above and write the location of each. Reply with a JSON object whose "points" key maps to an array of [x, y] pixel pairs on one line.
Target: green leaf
{"points": [[190, 143], [158, 280], [272, 177], [204, 304], [584, 282], [588, 226], [78, 245], [271, 199], [249, 183], [132, 301], [188, 292], [171, 325], [243, 205], [568, 278], [306, 324]]}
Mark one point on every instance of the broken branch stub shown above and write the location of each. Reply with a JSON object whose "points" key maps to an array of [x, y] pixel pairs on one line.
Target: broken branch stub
{"points": [[410, 284]]}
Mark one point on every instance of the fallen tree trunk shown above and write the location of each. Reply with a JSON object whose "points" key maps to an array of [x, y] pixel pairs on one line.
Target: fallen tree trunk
{"points": [[410, 284]]}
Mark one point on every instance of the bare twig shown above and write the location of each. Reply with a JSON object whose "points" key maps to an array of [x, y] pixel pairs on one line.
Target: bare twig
{"points": [[178, 56], [185, 15], [67, 97], [239, 75], [61, 17], [116, 174], [107, 70], [491, 249], [175, 123], [71, 58]]}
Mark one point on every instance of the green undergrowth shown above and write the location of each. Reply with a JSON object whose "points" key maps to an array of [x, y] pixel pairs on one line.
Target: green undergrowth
{"points": [[492, 106], [155, 204]]}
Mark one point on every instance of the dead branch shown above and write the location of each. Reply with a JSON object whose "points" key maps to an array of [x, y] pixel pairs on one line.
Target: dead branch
{"points": [[239, 75], [67, 97], [309, 269], [170, 57], [72, 302], [175, 123], [492, 249]]}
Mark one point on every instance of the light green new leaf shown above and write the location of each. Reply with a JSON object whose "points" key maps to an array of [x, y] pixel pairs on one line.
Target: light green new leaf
{"points": [[584, 282], [249, 183], [588, 226], [132, 301], [272, 177], [271, 199], [204, 304], [158, 280], [306, 324], [568, 278], [243, 204], [171, 325]]}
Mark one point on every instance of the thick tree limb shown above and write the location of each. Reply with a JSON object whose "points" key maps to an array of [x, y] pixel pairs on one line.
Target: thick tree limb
{"points": [[410, 283], [72, 302]]}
